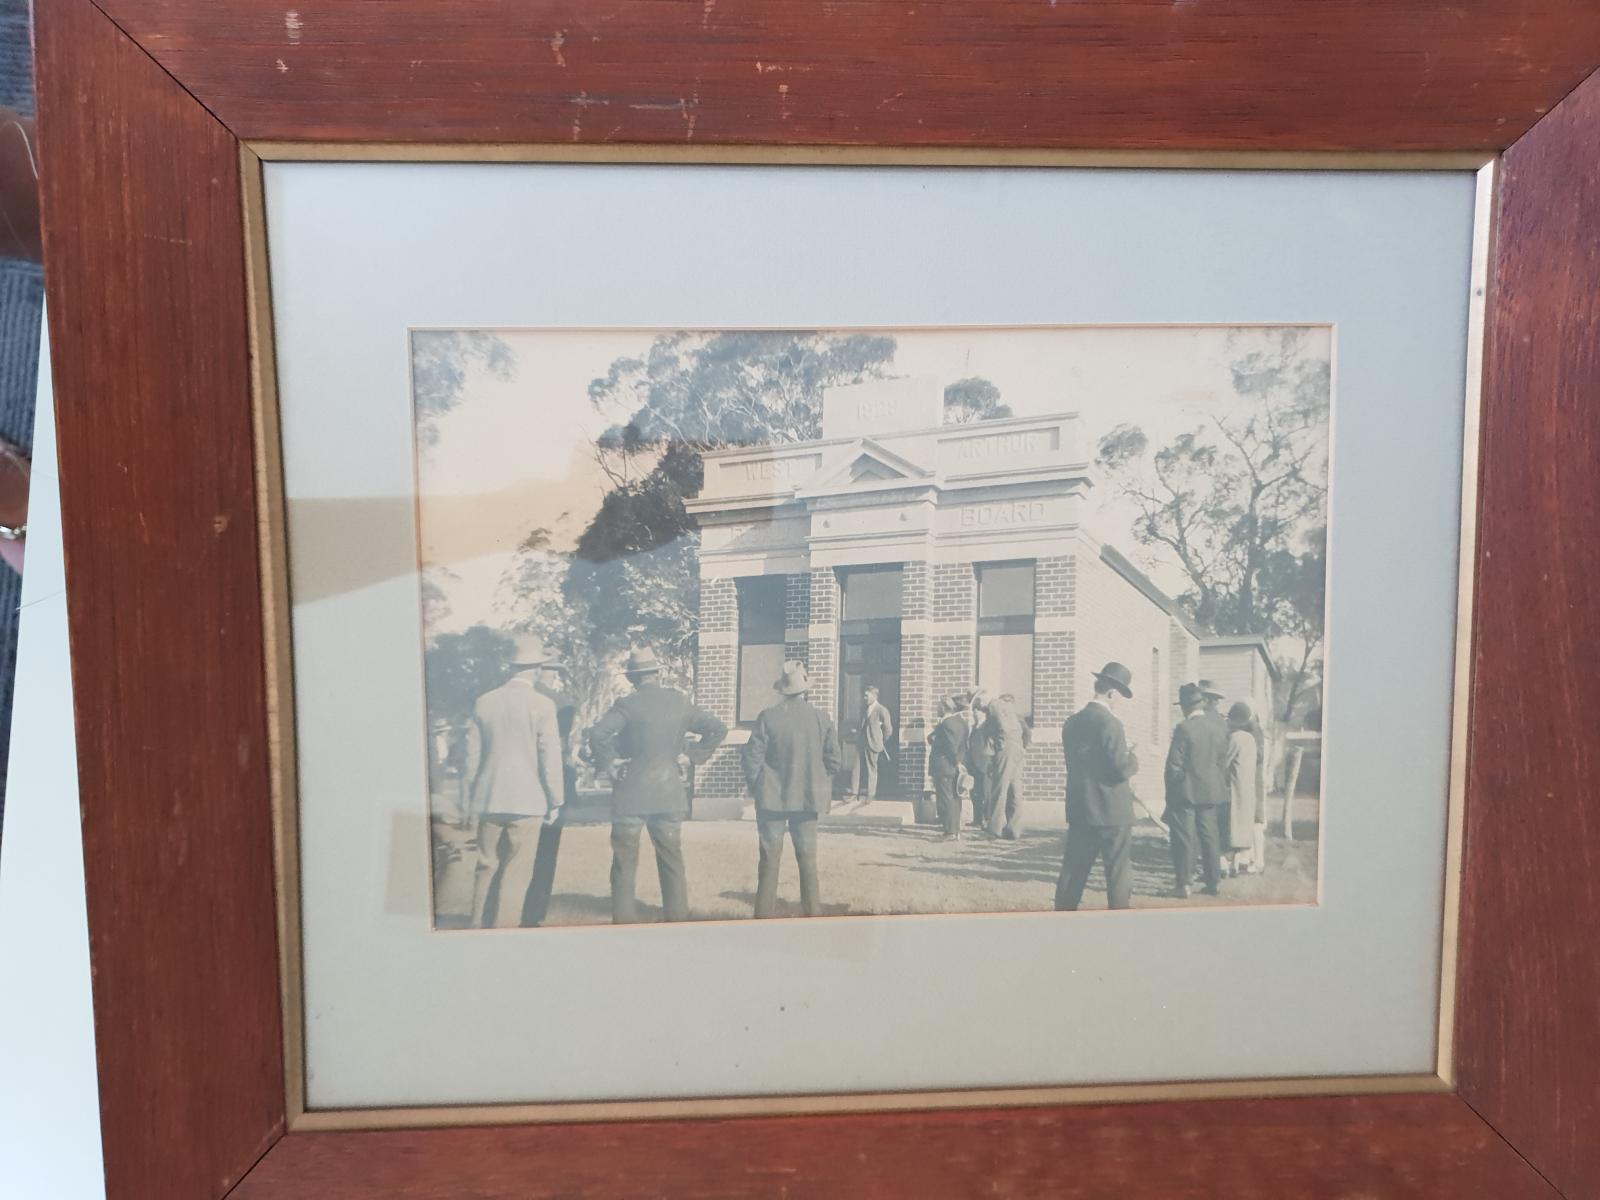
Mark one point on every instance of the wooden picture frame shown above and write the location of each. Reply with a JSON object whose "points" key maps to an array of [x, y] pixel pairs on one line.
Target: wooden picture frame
{"points": [[146, 108]]}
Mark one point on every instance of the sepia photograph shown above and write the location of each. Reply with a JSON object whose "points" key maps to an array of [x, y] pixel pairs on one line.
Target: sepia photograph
{"points": [[721, 624]]}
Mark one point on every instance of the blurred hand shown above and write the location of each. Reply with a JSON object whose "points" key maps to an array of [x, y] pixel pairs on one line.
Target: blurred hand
{"points": [[552, 816]]}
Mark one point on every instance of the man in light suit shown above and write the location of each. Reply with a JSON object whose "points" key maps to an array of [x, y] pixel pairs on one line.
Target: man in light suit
{"points": [[552, 683], [872, 741], [517, 789], [1009, 735], [789, 763], [1196, 791], [647, 730], [1099, 800]]}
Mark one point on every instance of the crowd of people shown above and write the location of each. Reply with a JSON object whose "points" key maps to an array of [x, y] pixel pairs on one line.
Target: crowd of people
{"points": [[523, 780]]}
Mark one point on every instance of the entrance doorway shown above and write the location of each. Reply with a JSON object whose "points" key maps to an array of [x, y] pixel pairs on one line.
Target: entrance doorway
{"points": [[869, 655]]}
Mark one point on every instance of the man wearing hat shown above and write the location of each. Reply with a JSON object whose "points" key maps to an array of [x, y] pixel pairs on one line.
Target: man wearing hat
{"points": [[552, 683], [1213, 701], [1099, 801], [980, 756], [789, 763], [1196, 790], [948, 747], [1009, 737], [646, 729], [517, 788]]}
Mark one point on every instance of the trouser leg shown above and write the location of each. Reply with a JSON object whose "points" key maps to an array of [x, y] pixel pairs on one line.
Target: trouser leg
{"points": [[1180, 831], [1210, 844], [666, 833], [979, 817], [1005, 794], [625, 833], [488, 866], [1077, 857], [1116, 845], [520, 847], [537, 906], [1016, 811], [1258, 849], [946, 789], [803, 833], [769, 831], [870, 759]]}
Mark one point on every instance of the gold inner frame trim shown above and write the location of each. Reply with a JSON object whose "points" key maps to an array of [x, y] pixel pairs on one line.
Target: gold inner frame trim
{"points": [[277, 649]]}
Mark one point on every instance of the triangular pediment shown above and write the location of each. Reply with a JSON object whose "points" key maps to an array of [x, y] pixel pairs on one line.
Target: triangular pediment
{"points": [[865, 462]]}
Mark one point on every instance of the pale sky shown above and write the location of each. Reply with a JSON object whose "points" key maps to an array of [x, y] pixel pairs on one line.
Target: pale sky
{"points": [[513, 454]]}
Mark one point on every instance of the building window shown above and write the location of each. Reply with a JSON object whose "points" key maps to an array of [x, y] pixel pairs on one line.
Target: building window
{"points": [[870, 594], [1005, 631], [761, 621]]}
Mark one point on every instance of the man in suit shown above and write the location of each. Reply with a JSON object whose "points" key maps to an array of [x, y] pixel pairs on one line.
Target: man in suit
{"points": [[646, 729], [517, 789], [1099, 801], [1196, 790], [980, 756], [1213, 702], [552, 683], [948, 745], [789, 763], [1010, 737], [871, 742]]}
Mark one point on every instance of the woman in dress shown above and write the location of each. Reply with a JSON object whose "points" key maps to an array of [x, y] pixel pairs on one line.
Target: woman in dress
{"points": [[1243, 790]]}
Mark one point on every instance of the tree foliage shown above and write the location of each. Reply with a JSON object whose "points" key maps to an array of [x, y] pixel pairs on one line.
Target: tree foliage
{"points": [[440, 361], [973, 399], [1239, 502], [633, 572], [460, 667]]}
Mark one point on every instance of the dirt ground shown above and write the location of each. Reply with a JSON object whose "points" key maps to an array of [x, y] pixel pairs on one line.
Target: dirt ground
{"points": [[872, 860]]}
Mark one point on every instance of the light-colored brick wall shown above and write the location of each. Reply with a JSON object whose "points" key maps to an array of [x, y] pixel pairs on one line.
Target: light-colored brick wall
{"points": [[1118, 622], [823, 649]]}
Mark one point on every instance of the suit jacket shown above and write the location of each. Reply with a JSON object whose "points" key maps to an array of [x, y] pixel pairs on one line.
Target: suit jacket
{"points": [[1196, 763], [1099, 765], [1007, 732], [519, 756], [648, 728], [948, 743], [566, 714], [875, 729], [792, 757]]}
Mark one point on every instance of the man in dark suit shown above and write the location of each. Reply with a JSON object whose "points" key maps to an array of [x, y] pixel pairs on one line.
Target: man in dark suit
{"points": [[1196, 790], [647, 729], [789, 763], [872, 742], [980, 755], [552, 684], [947, 754], [517, 789], [1099, 800]]}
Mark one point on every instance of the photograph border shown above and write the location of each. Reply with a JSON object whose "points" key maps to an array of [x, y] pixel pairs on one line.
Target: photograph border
{"points": [[272, 533]]}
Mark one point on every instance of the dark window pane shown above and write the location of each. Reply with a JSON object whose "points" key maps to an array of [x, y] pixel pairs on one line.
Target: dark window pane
{"points": [[871, 592], [761, 609], [1005, 590]]}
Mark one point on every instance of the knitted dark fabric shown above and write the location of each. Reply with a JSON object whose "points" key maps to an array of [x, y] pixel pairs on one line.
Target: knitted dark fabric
{"points": [[21, 309]]}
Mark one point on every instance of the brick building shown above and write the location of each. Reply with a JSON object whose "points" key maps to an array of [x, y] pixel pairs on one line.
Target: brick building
{"points": [[923, 558]]}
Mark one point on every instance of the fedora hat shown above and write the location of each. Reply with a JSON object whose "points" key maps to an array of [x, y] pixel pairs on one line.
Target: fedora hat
{"points": [[641, 661], [793, 681], [1209, 690], [1189, 696], [527, 650], [1118, 676]]}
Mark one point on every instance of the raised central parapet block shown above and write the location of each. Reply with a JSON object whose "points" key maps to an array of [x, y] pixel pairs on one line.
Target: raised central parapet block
{"points": [[881, 407]]}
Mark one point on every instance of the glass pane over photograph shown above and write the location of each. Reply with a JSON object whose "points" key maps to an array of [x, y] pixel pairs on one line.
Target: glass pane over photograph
{"points": [[871, 622]]}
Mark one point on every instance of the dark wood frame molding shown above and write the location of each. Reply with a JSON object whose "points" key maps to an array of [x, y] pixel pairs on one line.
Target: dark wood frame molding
{"points": [[144, 104]]}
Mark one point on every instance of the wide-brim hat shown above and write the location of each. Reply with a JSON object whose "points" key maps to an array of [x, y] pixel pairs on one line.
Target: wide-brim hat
{"points": [[1190, 695], [793, 681], [1209, 690], [1118, 676], [642, 661], [528, 650]]}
